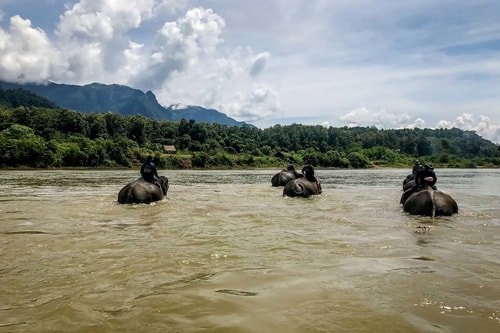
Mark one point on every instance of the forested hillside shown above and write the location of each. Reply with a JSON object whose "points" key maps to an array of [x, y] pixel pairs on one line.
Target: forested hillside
{"points": [[21, 97], [41, 136]]}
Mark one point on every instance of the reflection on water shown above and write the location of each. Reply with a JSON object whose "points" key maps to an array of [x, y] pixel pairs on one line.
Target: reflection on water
{"points": [[226, 252]]}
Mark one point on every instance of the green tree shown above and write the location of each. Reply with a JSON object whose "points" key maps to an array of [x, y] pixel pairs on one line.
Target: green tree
{"points": [[358, 160], [19, 146]]}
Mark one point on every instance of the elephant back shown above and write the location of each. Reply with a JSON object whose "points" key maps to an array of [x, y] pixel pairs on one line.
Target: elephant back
{"points": [[300, 187], [444, 204], [140, 191], [430, 202], [126, 194], [419, 203], [282, 178]]}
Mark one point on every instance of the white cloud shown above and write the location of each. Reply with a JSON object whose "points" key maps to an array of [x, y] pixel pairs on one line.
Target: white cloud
{"points": [[92, 38], [169, 7], [224, 83], [482, 125], [380, 119], [90, 20], [261, 102], [26, 54], [179, 45]]}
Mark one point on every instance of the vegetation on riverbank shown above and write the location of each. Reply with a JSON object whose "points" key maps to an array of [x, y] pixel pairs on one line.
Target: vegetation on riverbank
{"points": [[34, 133]]}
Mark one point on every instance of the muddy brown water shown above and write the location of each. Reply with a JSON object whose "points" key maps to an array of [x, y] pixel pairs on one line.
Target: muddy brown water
{"points": [[226, 252]]}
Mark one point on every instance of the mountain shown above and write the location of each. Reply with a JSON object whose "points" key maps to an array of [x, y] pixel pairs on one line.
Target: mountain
{"points": [[19, 97], [101, 98]]}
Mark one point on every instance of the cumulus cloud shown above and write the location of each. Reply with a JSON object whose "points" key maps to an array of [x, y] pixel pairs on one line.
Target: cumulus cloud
{"points": [[178, 45], [223, 83], [482, 125], [380, 119], [26, 54], [94, 41], [259, 103], [418, 123]]}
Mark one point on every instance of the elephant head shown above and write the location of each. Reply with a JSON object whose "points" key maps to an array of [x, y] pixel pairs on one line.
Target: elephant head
{"points": [[301, 187], [163, 184], [142, 191]]}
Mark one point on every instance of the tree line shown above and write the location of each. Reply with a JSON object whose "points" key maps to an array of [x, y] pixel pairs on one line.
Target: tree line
{"points": [[41, 136]]}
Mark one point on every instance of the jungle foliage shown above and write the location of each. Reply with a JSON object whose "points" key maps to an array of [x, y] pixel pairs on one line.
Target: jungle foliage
{"points": [[42, 136]]}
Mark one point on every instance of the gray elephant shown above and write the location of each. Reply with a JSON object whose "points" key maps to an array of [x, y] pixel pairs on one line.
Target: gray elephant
{"points": [[284, 176], [429, 202], [301, 187], [142, 191], [409, 182]]}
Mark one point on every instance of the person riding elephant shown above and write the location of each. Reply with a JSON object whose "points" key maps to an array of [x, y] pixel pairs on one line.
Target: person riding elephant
{"points": [[426, 177], [308, 172], [148, 171], [417, 166], [143, 191], [425, 199], [291, 168]]}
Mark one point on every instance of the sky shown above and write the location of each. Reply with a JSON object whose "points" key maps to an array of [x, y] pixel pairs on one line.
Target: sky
{"points": [[387, 63]]}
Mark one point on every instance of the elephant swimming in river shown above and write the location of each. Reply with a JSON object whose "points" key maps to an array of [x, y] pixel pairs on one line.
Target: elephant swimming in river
{"points": [[409, 182], [142, 191], [284, 176], [429, 202], [301, 187]]}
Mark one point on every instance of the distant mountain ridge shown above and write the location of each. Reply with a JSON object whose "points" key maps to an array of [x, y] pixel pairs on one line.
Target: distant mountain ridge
{"points": [[101, 98]]}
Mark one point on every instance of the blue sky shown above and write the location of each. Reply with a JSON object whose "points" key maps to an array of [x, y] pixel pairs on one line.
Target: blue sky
{"points": [[390, 64]]}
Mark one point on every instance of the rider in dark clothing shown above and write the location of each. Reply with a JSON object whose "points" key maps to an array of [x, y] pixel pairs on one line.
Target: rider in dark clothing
{"points": [[308, 171], [148, 171], [417, 166], [426, 177]]}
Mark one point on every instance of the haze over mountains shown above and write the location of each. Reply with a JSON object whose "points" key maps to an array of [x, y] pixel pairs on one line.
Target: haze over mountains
{"points": [[101, 98]]}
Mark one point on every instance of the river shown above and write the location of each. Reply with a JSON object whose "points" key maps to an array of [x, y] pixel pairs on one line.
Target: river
{"points": [[226, 252]]}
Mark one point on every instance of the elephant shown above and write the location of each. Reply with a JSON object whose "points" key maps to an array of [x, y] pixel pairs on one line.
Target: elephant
{"points": [[301, 187], [409, 182], [429, 202], [142, 191], [283, 177]]}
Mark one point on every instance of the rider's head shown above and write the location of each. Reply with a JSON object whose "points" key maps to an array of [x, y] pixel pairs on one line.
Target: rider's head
{"points": [[149, 158], [428, 166]]}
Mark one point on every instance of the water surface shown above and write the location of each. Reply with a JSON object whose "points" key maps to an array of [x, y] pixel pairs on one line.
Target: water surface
{"points": [[226, 252]]}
